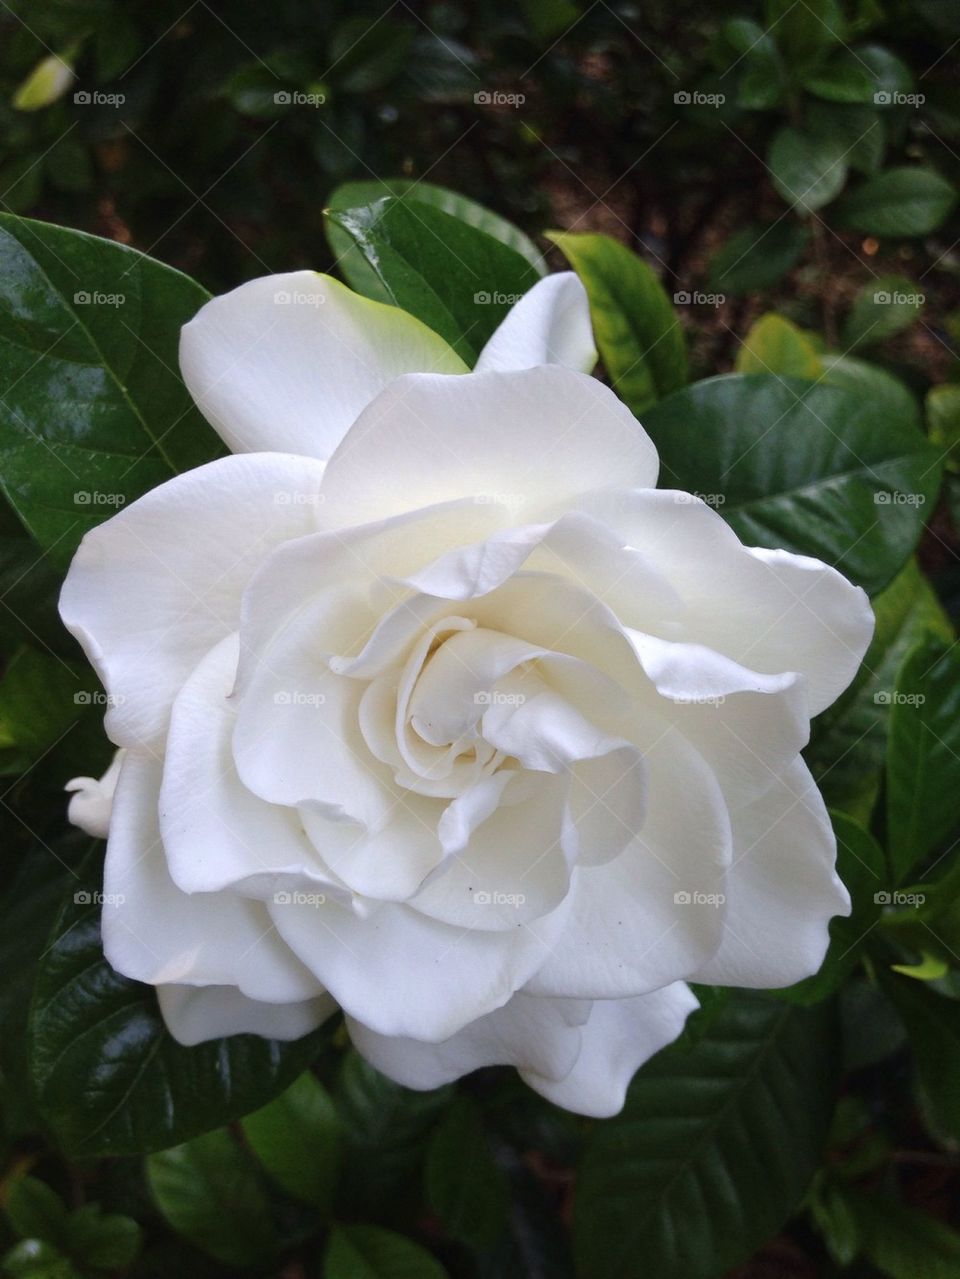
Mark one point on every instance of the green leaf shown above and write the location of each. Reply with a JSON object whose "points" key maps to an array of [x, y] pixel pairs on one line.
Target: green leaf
{"points": [[891, 75], [804, 31], [464, 1186], [40, 698], [455, 278], [943, 418], [676, 1178], [34, 1259], [862, 867], [901, 1241], [48, 81], [897, 202], [93, 411], [370, 1252], [103, 1241], [859, 127], [871, 382], [354, 195], [775, 345], [207, 1191], [808, 171], [849, 744], [810, 468], [636, 328], [757, 257], [297, 1139], [108, 1076], [35, 1211], [932, 1022], [885, 306], [842, 78], [760, 84], [923, 757]]}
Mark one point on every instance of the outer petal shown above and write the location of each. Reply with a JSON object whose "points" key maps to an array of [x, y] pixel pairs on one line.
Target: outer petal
{"points": [[154, 933], [782, 889], [152, 590], [771, 611], [619, 1036], [287, 362], [530, 441], [538, 1035], [549, 325], [401, 973], [195, 1014]]}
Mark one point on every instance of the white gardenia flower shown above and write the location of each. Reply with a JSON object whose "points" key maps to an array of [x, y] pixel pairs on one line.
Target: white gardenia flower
{"points": [[436, 710]]}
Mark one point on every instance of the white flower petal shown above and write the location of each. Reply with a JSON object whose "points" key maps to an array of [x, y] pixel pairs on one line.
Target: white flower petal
{"points": [[655, 914], [401, 973], [619, 1036], [287, 362], [549, 325], [532, 441], [155, 933], [782, 889], [194, 1014], [91, 801], [538, 1035], [153, 589], [771, 611]]}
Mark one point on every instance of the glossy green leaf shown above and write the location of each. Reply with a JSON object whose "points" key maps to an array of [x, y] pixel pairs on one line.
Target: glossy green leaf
{"points": [[885, 306], [297, 1139], [36, 1211], [635, 326], [933, 1025], [40, 698], [869, 381], [897, 202], [923, 756], [859, 127], [355, 195], [370, 1252], [34, 1259], [849, 743], [775, 345], [757, 257], [93, 411], [108, 1076], [457, 279], [804, 31], [678, 1178], [464, 1186], [102, 1241], [842, 78], [943, 419], [807, 170], [207, 1191], [810, 468], [903, 1242]]}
